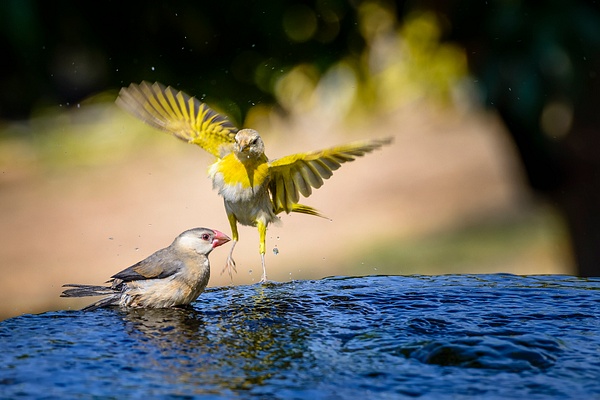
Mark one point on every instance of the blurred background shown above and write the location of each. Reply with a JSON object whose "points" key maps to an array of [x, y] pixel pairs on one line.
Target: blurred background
{"points": [[493, 107]]}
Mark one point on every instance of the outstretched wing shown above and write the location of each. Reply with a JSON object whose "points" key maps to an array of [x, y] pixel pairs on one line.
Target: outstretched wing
{"points": [[179, 114], [299, 173]]}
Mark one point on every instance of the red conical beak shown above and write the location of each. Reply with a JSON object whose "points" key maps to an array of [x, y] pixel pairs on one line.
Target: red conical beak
{"points": [[219, 239]]}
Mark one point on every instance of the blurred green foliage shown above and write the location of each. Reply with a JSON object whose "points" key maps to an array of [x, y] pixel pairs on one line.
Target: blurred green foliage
{"points": [[234, 55], [325, 59]]}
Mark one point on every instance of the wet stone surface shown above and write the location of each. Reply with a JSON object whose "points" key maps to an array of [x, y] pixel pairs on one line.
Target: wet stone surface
{"points": [[377, 337]]}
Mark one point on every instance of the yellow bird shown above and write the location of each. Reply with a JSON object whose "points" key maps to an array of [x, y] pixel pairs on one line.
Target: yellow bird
{"points": [[255, 189]]}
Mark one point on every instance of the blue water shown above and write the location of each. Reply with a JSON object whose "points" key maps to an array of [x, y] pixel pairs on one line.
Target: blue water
{"points": [[379, 337]]}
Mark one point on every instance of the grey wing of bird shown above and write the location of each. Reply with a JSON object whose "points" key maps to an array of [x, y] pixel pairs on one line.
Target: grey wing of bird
{"points": [[159, 265]]}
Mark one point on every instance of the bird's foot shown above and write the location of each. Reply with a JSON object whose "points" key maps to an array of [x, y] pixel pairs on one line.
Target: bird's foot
{"points": [[229, 267], [263, 278]]}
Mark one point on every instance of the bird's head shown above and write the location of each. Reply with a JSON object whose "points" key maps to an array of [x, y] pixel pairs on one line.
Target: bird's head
{"points": [[200, 240], [248, 144]]}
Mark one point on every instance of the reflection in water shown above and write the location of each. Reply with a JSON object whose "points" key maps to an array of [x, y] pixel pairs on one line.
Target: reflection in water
{"points": [[245, 343], [376, 337]]}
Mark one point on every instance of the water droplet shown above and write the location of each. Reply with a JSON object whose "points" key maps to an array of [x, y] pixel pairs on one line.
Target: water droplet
{"points": [[152, 68], [275, 250]]}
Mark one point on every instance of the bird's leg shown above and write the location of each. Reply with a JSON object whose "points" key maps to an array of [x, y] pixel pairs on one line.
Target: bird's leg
{"points": [[230, 264], [262, 231]]}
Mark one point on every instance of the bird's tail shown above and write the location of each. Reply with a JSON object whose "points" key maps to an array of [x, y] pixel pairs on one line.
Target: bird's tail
{"points": [[86, 290], [302, 209], [111, 300], [112, 296]]}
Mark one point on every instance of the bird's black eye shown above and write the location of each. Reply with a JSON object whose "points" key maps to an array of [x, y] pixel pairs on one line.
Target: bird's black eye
{"points": [[254, 141], [206, 237]]}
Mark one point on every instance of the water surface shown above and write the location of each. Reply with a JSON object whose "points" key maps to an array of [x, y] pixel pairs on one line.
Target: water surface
{"points": [[378, 337]]}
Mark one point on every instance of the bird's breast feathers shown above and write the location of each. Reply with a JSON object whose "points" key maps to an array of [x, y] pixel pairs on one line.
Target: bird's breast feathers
{"points": [[180, 288], [237, 181]]}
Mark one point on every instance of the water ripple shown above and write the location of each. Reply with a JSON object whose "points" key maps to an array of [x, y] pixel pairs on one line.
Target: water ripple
{"points": [[341, 337]]}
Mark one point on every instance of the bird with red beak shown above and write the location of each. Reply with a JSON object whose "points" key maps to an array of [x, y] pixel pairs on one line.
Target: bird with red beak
{"points": [[173, 276], [255, 189]]}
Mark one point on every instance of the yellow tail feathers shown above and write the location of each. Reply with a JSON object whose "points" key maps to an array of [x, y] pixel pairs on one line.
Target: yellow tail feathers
{"points": [[302, 209]]}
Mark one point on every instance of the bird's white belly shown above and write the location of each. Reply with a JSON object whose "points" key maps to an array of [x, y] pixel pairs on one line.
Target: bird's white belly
{"points": [[163, 293], [248, 204], [249, 212]]}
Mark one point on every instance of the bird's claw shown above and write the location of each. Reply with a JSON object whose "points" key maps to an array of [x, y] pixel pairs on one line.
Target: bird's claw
{"points": [[263, 278], [230, 268]]}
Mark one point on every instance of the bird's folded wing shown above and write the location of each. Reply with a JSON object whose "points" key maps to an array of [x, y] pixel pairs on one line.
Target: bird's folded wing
{"points": [[158, 266], [299, 173], [179, 114]]}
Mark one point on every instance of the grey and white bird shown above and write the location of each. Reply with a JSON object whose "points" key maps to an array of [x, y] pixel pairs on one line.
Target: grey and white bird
{"points": [[255, 188], [173, 276]]}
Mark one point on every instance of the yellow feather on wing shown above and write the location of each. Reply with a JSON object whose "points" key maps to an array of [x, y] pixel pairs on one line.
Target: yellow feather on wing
{"points": [[298, 173], [304, 209], [179, 114]]}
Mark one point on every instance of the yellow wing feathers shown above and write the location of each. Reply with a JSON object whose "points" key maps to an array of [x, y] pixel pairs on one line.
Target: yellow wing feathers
{"points": [[179, 114], [194, 122], [254, 188], [299, 173]]}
